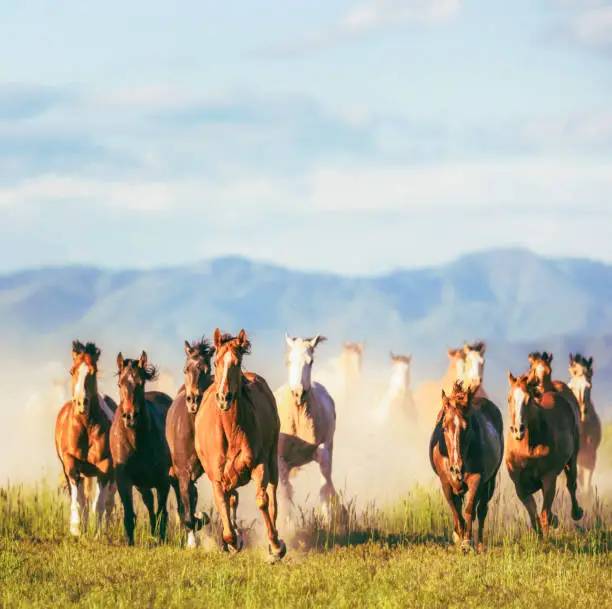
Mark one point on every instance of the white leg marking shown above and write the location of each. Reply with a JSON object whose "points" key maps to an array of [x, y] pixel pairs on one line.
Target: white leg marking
{"points": [[75, 517], [191, 540]]}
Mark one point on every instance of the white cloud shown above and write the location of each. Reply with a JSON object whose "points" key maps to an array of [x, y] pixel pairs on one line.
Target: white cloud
{"points": [[594, 27], [369, 16]]}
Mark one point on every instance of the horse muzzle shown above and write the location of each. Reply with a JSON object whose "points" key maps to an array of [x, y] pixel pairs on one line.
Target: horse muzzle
{"points": [[80, 404], [193, 402], [518, 433], [224, 401], [129, 419]]}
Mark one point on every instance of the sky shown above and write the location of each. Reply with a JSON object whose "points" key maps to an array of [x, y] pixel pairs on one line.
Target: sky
{"points": [[352, 137]]}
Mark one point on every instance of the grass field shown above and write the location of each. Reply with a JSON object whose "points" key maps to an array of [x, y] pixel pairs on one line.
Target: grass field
{"points": [[395, 555]]}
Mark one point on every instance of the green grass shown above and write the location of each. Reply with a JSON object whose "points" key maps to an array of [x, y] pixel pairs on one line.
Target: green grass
{"points": [[394, 555]]}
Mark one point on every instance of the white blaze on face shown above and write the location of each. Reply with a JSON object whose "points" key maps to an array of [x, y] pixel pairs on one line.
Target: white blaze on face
{"points": [[578, 384], [519, 405], [82, 372], [474, 366], [299, 359], [227, 360]]}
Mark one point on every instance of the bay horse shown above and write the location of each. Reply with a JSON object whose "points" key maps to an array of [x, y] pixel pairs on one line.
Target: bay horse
{"points": [[138, 444], [237, 429], [543, 440], [180, 429], [82, 432], [581, 382], [466, 451], [307, 422], [398, 402], [541, 370]]}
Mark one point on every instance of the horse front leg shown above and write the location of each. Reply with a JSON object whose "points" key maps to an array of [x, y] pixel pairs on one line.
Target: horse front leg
{"points": [[266, 502], [571, 474], [229, 535], [99, 503], [547, 518], [454, 502], [327, 492], [162, 509], [124, 488], [471, 498]]}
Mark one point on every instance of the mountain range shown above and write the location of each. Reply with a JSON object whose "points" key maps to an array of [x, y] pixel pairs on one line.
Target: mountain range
{"points": [[512, 298]]}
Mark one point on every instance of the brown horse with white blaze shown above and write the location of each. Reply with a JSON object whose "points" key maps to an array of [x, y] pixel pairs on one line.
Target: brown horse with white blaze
{"points": [[581, 383], [82, 432], [236, 437], [466, 451], [138, 444], [542, 441], [180, 431]]}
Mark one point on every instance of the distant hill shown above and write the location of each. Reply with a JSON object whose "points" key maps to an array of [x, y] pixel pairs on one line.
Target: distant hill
{"points": [[512, 298]]}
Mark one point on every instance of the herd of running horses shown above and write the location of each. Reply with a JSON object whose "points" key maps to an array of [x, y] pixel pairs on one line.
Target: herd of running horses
{"points": [[229, 424]]}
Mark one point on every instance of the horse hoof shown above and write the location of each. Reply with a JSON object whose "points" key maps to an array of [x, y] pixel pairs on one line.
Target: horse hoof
{"points": [[234, 549], [201, 519], [456, 538], [275, 556], [75, 530], [480, 548], [577, 514], [467, 546]]}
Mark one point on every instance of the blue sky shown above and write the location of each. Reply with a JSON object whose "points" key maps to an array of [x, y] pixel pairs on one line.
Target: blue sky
{"points": [[348, 136]]}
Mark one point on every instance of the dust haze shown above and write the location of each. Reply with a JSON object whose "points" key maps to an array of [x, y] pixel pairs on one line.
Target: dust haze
{"points": [[372, 462]]}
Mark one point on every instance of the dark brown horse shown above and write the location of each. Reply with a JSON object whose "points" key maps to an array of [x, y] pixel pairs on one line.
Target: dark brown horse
{"points": [[581, 382], [236, 436], [82, 431], [541, 369], [466, 451], [180, 429], [542, 441], [138, 444]]}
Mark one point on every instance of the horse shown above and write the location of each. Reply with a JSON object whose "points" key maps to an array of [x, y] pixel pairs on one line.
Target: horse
{"points": [[543, 439], [466, 451], [427, 395], [541, 370], [186, 467], [398, 403], [237, 429], [473, 372], [138, 444], [581, 373], [82, 432], [307, 422]]}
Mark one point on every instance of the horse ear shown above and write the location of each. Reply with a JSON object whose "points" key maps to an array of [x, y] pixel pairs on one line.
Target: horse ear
{"points": [[445, 400], [120, 361], [511, 378], [466, 348], [531, 359], [316, 340], [450, 352], [288, 340], [571, 358], [142, 362], [549, 357], [242, 336], [217, 338], [483, 347], [590, 361], [361, 346], [187, 349]]}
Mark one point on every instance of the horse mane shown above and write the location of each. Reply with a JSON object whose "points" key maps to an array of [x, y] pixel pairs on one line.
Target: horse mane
{"points": [[579, 359], [151, 372], [406, 359], [89, 348], [541, 355], [202, 347], [244, 349]]}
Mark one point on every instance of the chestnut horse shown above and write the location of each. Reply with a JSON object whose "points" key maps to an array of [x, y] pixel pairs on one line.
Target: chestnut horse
{"points": [[180, 428], [138, 444], [542, 441], [427, 395], [581, 372], [307, 423], [82, 431], [466, 451], [236, 437]]}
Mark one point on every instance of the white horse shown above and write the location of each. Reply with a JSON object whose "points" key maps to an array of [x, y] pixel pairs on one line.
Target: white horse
{"points": [[398, 402], [473, 375], [308, 422]]}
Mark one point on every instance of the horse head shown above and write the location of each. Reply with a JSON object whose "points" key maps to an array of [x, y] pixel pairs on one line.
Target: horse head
{"points": [[228, 366], [83, 371], [197, 372], [133, 374], [300, 359], [581, 382]]}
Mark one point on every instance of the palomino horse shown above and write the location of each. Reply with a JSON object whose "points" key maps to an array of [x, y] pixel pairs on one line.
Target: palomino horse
{"points": [[581, 372], [180, 428], [398, 404], [307, 422], [466, 451], [82, 432], [473, 372], [236, 438], [138, 444], [541, 370], [542, 441], [427, 395]]}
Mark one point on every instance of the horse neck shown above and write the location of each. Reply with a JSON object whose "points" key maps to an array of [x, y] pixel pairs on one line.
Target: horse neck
{"points": [[546, 383]]}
